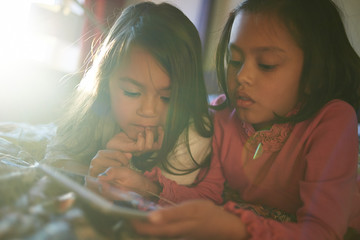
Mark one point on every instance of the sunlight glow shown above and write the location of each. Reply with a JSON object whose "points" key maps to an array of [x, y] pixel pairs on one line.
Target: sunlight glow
{"points": [[35, 52], [13, 25], [19, 41]]}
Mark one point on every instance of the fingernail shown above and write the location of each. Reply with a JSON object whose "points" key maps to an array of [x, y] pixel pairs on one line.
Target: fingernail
{"points": [[155, 217]]}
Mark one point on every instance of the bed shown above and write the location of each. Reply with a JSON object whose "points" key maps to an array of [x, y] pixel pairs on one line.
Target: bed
{"points": [[32, 206]]}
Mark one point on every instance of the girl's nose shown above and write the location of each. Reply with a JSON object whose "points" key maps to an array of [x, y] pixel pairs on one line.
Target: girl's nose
{"points": [[147, 107], [245, 75]]}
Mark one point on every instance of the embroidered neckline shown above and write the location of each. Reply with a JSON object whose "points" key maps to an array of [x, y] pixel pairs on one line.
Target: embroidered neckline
{"points": [[272, 140]]}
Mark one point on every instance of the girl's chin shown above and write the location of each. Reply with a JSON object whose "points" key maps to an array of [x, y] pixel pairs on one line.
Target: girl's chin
{"points": [[257, 125]]}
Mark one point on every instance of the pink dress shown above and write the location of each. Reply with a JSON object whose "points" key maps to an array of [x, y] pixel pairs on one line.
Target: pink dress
{"points": [[309, 169]]}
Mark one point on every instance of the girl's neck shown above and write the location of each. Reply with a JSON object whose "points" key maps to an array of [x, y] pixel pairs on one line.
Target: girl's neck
{"points": [[260, 127]]}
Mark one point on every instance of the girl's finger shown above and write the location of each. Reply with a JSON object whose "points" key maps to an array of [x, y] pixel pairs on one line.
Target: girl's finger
{"points": [[121, 142], [158, 143], [108, 158], [149, 139], [140, 142], [121, 157], [172, 214], [99, 166], [111, 173]]}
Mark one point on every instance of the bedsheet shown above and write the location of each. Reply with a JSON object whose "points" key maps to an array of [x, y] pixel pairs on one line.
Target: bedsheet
{"points": [[33, 206], [30, 200]]}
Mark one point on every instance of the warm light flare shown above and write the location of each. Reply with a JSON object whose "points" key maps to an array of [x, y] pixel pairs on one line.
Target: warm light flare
{"points": [[33, 61], [14, 32]]}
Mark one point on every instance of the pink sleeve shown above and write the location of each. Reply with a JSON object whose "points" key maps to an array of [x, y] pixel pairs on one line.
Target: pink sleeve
{"points": [[260, 228], [329, 185], [210, 187]]}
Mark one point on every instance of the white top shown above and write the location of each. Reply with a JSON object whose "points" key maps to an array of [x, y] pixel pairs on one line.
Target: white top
{"points": [[180, 157]]}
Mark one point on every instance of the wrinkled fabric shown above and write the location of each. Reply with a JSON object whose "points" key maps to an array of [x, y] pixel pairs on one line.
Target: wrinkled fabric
{"points": [[312, 175], [23, 144]]}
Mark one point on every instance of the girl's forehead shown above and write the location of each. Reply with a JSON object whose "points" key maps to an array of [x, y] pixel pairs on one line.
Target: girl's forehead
{"points": [[142, 67], [260, 30], [135, 52]]}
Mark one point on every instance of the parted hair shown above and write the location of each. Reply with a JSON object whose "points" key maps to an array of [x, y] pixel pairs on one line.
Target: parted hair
{"points": [[331, 68], [172, 39]]}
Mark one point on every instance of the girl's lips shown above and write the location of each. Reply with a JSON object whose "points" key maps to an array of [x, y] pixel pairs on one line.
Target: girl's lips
{"points": [[243, 101]]}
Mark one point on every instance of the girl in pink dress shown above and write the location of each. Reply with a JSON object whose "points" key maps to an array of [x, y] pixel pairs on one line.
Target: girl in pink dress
{"points": [[285, 131]]}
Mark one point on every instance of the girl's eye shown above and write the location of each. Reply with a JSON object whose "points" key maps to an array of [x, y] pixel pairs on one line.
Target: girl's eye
{"points": [[235, 64], [267, 67], [131, 94], [165, 99]]}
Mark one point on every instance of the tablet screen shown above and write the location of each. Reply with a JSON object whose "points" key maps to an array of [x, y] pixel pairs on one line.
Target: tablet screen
{"points": [[104, 197]]}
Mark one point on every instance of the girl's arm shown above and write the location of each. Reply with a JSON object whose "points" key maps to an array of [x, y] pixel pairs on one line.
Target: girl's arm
{"points": [[209, 188], [328, 191], [197, 219]]}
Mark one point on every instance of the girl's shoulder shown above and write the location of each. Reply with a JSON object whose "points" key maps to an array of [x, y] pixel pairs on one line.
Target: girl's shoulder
{"points": [[338, 109], [336, 114]]}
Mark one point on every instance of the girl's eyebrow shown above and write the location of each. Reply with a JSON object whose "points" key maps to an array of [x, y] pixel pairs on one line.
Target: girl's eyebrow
{"points": [[234, 47], [133, 81], [168, 88], [269, 49], [164, 89], [257, 49]]}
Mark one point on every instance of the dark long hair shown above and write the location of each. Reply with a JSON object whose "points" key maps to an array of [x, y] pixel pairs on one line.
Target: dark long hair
{"points": [[171, 38], [331, 67]]}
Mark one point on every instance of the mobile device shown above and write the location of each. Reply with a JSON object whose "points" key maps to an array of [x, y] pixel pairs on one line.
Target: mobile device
{"points": [[115, 203]]}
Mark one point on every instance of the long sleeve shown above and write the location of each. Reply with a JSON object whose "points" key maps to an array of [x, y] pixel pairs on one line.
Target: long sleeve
{"points": [[309, 171], [326, 152]]}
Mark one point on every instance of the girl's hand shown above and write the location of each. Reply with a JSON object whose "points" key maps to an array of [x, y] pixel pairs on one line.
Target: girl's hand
{"points": [[198, 219], [146, 141], [120, 148], [108, 158], [125, 177]]}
